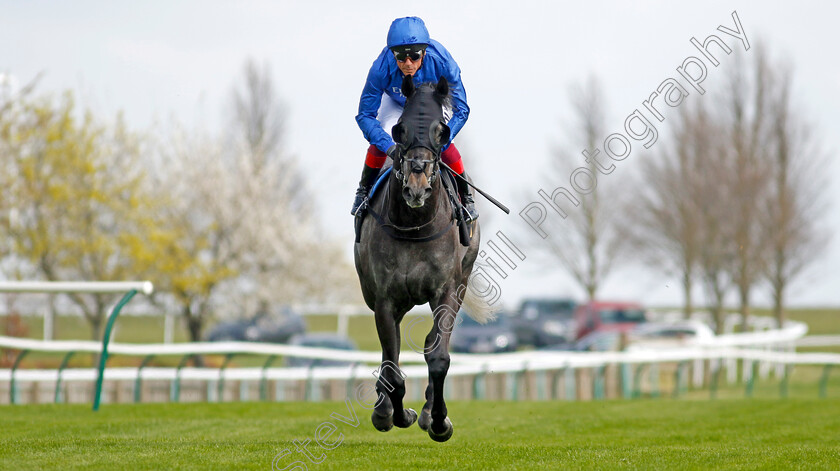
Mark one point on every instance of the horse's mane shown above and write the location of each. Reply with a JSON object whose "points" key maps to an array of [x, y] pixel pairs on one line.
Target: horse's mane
{"points": [[445, 101]]}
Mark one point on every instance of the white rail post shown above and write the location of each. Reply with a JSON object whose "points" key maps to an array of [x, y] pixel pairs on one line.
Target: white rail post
{"points": [[48, 324]]}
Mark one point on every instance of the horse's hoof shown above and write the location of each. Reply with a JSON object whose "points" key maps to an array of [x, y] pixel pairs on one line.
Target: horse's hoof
{"points": [[425, 420], [446, 435], [383, 423], [409, 417]]}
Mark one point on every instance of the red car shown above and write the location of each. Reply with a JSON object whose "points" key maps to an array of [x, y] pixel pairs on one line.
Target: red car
{"points": [[599, 316]]}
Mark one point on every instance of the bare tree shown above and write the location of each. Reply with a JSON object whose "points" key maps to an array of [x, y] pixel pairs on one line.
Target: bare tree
{"points": [[666, 212], [281, 230], [257, 118], [682, 220], [713, 191], [795, 202], [244, 227], [744, 115], [734, 194], [257, 126], [586, 243]]}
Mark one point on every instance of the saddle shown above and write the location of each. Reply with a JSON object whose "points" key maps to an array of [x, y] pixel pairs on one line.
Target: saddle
{"points": [[451, 190]]}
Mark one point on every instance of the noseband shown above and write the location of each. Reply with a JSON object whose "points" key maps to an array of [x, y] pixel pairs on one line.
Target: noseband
{"points": [[415, 163]]}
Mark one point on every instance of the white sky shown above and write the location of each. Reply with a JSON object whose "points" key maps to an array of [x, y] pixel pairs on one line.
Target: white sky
{"points": [[154, 60]]}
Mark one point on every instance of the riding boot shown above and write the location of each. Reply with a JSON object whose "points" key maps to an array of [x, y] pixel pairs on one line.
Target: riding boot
{"points": [[369, 175], [467, 200]]}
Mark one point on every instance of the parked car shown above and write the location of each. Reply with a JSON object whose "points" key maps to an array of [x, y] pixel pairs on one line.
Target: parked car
{"points": [[541, 322], [496, 336], [672, 334], [602, 316], [601, 341], [641, 336], [277, 326], [320, 340]]}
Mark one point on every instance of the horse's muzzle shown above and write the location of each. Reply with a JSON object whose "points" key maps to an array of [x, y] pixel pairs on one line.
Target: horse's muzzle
{"points": [[415, 197]]}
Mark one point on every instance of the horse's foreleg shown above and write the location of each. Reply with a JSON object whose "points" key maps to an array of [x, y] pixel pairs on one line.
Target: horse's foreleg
{"points": [[390, 386], [434, 415]]}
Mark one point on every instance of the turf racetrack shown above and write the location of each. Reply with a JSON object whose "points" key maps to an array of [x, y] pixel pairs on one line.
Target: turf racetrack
{"points": [[643, 434]]}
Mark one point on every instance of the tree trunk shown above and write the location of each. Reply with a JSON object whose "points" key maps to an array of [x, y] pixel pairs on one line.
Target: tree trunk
{"points": [[95, 327], [779, 303], [194, 326], [688, 308], [591, 289], [744, 292], [717, 313], [718, 293]]}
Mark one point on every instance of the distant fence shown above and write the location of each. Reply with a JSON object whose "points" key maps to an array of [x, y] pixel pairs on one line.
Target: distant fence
{"points": [[819, 341], [534, 375]]}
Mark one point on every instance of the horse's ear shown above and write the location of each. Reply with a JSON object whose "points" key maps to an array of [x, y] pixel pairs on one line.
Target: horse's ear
{"points": [[408, 86], [439, 132], [442, 87]]}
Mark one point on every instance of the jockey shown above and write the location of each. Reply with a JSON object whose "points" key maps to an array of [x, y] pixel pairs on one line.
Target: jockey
{"points": [[409, 51]]}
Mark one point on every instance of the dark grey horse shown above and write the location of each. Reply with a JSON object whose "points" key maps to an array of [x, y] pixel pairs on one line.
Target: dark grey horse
{"points": [[409, 254]]}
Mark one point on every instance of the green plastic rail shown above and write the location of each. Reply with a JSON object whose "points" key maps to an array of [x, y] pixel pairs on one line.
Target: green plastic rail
{"points": [[103, 358], [264, 378], [58, 379], [680, 378], [138, 381], [748, 391], [175, 389], [637, 380], [783, 387], [221, 386], [12, 385], [824, 381]]}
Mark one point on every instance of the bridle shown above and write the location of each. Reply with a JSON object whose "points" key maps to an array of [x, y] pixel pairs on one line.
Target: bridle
{"points": [[408, 233], [403, 166], [415, 163]]}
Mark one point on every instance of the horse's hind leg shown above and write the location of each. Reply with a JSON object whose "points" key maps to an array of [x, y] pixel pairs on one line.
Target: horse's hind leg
{"points": [[390, 386], [433, 417]]}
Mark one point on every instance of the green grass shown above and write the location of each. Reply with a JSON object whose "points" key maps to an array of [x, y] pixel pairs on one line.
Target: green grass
{"points": [[663, 434], [820, 321]]}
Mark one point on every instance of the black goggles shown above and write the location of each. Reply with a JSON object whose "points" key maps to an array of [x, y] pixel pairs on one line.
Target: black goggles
{"points": [[401, 56]]}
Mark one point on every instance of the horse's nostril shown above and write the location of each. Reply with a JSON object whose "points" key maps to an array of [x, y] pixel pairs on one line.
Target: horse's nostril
{"points": [[428, 191], [406, 192]]}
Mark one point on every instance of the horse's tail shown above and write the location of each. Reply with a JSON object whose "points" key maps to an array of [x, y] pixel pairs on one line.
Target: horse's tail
{"points": [[478, 308]]}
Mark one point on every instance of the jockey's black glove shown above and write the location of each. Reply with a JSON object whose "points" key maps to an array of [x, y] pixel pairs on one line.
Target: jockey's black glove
{"points": [[392, 152]]}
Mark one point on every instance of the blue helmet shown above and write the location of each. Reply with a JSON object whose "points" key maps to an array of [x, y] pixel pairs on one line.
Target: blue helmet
{"points": [[408, 30]]}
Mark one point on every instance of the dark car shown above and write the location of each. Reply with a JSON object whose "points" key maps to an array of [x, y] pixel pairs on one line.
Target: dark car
{"points": [[275, 326], [320, 340], [493, 337], [541, 322]]}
